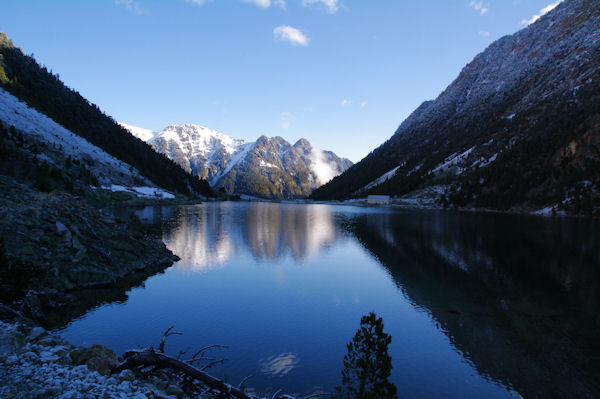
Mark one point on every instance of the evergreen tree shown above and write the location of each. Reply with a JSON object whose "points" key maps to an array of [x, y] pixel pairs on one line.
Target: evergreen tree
{"points": [[367, 365]]}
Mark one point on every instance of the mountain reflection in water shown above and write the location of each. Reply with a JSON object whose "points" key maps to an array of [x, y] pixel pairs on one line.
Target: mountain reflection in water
{"points": [[478, 305], [517, 295], [205, 236]]}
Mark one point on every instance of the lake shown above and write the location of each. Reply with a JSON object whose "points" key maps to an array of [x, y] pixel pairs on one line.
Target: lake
{"points": [[478, 305]]}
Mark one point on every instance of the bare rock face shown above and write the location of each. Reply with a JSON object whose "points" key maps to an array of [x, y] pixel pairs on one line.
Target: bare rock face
{"points": [[515, 128], [268, 167]]}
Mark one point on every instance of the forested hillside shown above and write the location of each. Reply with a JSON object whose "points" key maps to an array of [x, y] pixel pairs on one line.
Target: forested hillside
{"points": [[25, 78], [518, 129]]}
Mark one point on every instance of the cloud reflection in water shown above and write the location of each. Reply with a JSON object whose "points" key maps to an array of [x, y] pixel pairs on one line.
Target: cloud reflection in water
{"points": [[280, 365]]}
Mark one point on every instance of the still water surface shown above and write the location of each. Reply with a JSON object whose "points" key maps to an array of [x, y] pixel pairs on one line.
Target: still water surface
{"points": [[478, 305]]}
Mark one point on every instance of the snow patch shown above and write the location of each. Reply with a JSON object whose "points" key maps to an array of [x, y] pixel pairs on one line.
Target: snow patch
{"points": [[236, 158], [142, 192], [29, 121], [384, 177], [139, 132], [453, 162], [264, 164], [547, 211]]}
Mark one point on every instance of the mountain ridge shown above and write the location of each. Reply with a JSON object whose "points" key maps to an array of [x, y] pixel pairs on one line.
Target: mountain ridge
{"points": [[267, 167], [517, 127], [32, 83]]}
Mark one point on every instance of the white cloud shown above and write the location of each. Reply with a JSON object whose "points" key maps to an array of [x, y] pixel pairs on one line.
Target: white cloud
{"points": [[484, 33], [331, 6], [286, 120], [363, 104], [542, 12], [199, 2], [259, 3], [288, 34], [478, 6], [345, 102], [321, 167], [132, 6]]}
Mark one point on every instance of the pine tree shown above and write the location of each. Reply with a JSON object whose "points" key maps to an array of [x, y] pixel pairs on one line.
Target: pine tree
{"points": [[367, 365]]}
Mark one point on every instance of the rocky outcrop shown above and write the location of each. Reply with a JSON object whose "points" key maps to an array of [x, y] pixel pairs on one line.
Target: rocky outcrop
{"points": [[55, 243]]}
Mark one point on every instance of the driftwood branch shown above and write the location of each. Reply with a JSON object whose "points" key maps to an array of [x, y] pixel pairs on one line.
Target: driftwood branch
{"points": [[316, 395], [161, 347], [213, 363], [241, 385], [148, 357]]}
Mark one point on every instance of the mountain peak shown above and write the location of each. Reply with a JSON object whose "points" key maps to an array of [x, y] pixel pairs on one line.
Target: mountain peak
{"points": [[268, 167], [302, 143]]}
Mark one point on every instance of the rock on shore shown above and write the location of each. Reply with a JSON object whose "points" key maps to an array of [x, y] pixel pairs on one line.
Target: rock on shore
{"points": [[37, 364]]}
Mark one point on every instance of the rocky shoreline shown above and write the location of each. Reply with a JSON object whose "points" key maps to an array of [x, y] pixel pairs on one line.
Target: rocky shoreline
{"points": [[57, 244], [37, 364]]}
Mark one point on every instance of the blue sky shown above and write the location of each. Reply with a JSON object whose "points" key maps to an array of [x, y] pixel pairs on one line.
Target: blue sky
{"points": [[343, 74]]}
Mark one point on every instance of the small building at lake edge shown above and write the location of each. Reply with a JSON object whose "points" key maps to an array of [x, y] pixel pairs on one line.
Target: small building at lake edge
{"points": [[379, 200]]}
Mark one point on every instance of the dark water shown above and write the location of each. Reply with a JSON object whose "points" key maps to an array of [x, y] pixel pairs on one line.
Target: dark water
{"points": [[478, 305]]}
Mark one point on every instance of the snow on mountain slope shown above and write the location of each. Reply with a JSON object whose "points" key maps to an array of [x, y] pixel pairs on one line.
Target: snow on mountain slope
{"points": [[379, 180], [248, 167], [198, 140], [236, 159], [107, 169], [516, 129], [139, 132]]}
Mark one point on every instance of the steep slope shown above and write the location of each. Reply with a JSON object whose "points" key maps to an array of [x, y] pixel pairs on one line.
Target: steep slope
{"points": [[519, 127], [197, 149], [139, 132], [23, 77], [268, 167], [56, 234]]}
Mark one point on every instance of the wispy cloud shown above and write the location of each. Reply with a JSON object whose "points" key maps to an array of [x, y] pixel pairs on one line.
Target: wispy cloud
{"points": [[331, 6], [478, 6], [484, 33], [286, 120], [132, 6], [289, 34], [345, 102], [266, 3], [199, 2], [363, 104], [259, 3], [542, 12]]}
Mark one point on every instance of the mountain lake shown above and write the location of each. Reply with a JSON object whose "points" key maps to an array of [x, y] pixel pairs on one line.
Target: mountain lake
{"points": [[479, 305]]}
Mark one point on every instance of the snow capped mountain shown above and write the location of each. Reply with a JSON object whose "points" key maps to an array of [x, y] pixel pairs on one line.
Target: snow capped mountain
{"points": [[139, 132], [268, 167]]}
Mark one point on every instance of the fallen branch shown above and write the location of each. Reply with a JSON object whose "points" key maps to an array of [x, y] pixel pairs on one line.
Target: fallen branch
{"points": [[148, 357], [213, 363], [144, 359], [161, 347]]}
